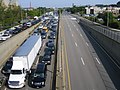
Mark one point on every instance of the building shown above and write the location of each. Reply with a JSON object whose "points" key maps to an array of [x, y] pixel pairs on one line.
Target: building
{"points": [[96, 9], [10, 2]]}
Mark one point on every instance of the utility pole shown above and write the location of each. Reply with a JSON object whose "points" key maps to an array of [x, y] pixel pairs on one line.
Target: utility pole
{"points": [[107, 19]]}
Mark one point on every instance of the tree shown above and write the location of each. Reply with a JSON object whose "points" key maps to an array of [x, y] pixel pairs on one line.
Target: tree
{"points": [[107, 18]]}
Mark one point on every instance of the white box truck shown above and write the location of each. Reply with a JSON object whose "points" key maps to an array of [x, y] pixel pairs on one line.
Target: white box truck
{"points": [[22, 61]]}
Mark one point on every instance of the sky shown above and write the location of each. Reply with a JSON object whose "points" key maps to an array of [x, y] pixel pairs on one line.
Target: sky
{"points": [[63, 3]]}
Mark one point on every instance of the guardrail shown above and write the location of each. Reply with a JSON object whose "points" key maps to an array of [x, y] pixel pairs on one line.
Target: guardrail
{"points": [[109, 32]]}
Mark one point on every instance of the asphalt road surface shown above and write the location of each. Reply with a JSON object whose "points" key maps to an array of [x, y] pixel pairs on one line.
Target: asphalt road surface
{"points": [[81, 61]]}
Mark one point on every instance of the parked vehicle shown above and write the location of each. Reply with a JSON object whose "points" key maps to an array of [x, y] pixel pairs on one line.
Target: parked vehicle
{"points": [[23, 60], [38, 78]]}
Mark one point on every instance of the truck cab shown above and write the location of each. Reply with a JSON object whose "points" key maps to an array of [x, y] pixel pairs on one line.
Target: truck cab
{"points": [[17, 75]]}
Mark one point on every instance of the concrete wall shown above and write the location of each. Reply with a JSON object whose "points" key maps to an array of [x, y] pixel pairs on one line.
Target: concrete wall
{"points": [[8, 47], [110, 45]]}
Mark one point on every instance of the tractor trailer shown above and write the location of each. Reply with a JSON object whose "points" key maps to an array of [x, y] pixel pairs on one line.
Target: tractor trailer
{"points": [[23, 60]]}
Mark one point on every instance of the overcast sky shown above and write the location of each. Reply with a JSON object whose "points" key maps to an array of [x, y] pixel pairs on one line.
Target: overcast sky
{"points": [[63, 3]]}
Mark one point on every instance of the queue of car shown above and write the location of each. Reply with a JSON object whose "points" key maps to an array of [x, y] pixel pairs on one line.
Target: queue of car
{"points": [[39, 75], [17, 29]]}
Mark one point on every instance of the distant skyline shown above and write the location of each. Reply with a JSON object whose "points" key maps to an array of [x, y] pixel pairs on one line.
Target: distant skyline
{"points": [[63, 3]]}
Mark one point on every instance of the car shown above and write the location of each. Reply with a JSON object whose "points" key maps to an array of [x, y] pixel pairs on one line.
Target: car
{"points": [[5, 37], [52, 37], [50, 41], [52, 33], [39, 75], [51, 44], [49, 50], [43, 34], [7, 67], [46, 59]]}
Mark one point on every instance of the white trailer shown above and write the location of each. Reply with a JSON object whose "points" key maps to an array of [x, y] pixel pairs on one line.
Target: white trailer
{"points": [[23, 60]]}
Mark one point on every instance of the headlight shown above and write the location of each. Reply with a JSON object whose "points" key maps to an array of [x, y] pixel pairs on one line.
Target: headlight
{"points": [[42, 83], [32, 82], [42, 61]]}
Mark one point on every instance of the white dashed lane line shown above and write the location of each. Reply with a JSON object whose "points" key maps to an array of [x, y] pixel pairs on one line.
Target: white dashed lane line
{"points": [[82, 61], [76, 44], [72, 35]]}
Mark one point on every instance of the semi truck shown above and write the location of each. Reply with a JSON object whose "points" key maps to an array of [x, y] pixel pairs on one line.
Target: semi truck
{"points": [[23, 60]]}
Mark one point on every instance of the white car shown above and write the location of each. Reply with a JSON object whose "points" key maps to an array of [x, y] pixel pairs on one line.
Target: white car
{"points": [[5, 37], [40, 27]]}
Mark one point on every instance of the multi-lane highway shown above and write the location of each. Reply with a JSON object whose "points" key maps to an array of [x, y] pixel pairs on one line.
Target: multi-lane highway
{"points": [[81, 64]]}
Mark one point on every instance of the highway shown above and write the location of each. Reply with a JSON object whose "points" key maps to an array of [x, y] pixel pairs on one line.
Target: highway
{"points": [[50, 68], [81, 62]]}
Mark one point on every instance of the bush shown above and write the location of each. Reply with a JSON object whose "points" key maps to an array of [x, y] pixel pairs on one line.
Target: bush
{"points": [[114, 24]]}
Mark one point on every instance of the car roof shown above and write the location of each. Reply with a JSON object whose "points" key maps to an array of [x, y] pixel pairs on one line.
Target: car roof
{"points": [[40, 67]]}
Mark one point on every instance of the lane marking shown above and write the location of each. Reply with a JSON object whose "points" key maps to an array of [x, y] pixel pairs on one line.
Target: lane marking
{"points": [[77, 29], [70, 28], [97, 60], [82, 61], [72, 35], [87, 44], [81, 35], [76, 44], [66, 61]]}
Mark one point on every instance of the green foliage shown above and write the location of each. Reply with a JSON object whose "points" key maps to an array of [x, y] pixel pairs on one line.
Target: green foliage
{"points": [[12, 15], [115, 24], [76, 9]]}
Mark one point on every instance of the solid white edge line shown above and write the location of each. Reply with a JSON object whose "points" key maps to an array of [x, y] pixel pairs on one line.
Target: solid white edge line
{"points": [[97, 60], [82, 61]]}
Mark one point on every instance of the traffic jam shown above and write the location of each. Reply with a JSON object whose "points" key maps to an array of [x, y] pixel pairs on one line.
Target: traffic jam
{"points": [[32, 62]]}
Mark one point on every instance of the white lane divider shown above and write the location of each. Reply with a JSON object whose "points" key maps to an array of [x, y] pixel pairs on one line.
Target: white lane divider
{"points": [[76, 44], [80, 34], [70, 29], [87, 44], [97, 60], [82, 61], [77, 29], [72, 35]]}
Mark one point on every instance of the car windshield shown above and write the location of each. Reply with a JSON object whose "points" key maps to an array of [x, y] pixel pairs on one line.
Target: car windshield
{"points": [[16, 71], [37, 74]]}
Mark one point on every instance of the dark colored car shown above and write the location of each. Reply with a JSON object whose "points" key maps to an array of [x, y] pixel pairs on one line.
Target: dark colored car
{"points": [[43, 34], [38, 78], [7, 67], [50, 41], [52, 37], [46, 59]]}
